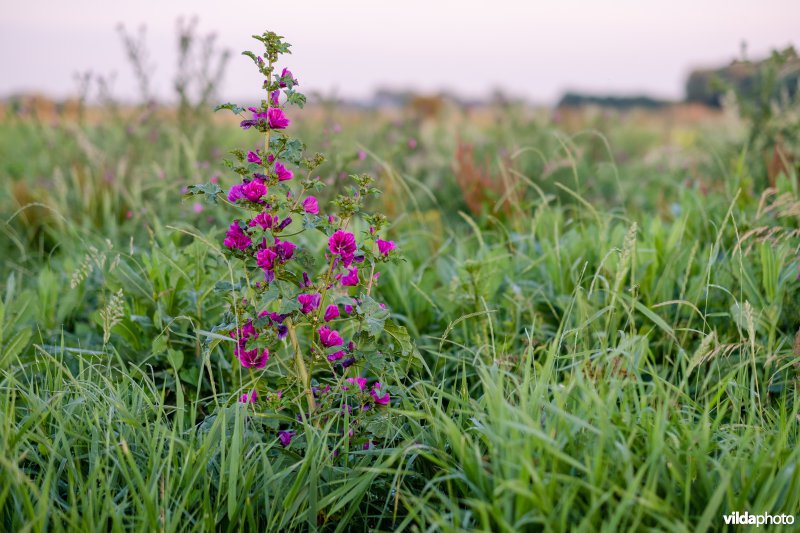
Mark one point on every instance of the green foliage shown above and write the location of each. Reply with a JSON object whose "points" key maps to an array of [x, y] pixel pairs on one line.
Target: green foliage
{"points": [[614, 350]]}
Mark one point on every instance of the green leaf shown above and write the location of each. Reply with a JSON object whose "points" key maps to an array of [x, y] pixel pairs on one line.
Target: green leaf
{"points": [[14, 346], [400, 334], [175, 357], [229, 106], [289, 306], [190, 375], [293, 151], [374, 316], [159, 345], [295, 98], [210, 190], [270, 295]]}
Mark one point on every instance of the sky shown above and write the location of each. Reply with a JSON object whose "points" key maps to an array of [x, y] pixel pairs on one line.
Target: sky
{"points": [[530, 49]]}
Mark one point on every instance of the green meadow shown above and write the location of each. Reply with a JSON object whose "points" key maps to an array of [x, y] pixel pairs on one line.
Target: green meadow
{"points": [[604, 306]]}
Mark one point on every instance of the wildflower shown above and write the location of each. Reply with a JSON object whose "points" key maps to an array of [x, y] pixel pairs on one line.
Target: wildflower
{"points": [[264, 219], [362, 155], [310, 205], [266, 259], [380, 400], [284, 249], [331, 312], [343, 244], [361, 382], [254, 190], [258, 118], [235, 193], [286, 73], [285, 222], [335, 356], [283, 330], [252, 157], [252, 358], [351, 279], [236, 237], [316, 391], [309, 302], [277, 120], [197, 207], [274, 95], [385, 247], [284, 174], [285, 437], [412, 143], [329, 337], [249, 397]]}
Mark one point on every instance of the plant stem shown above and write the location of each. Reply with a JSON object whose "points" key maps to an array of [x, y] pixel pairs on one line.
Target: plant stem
{"points": [[371, 277], [301, 365]]}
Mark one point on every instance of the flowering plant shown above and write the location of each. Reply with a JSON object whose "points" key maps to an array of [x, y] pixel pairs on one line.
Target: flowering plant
{"points": [[302, 318]]}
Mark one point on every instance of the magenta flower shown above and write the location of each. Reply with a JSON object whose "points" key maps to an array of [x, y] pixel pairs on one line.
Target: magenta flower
{"points": [[310, 205], [236, 237], [252, 157], [284, 174], [362, 155], [329, 337], [258, 118], [274, 95], [308, 302], [285, 437], [235, 192], [254, 190], [331, 312], [351, 279], [249, 397], [335, 356], [361, 382], [264, 219], [385, 247], [284, 249], [286, 73], [380, 400], [277, 120], [285, 222], [252, 358], [343, 244], [266, 259]]}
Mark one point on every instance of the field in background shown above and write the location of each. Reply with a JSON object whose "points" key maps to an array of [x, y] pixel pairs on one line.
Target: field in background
{"points": [[605, 304]]}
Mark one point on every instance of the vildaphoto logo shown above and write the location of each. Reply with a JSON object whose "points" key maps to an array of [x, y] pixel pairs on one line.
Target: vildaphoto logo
{"points": [[747, 519]]}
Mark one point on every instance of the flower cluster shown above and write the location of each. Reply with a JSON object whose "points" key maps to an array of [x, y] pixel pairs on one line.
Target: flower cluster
{"points": [[306, 310]]}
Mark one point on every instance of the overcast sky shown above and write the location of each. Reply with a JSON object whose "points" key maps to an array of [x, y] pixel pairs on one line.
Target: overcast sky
{"points": [[533, 49]]}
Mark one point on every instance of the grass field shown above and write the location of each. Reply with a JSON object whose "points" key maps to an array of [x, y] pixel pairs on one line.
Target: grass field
{"points": [[604, 305]]}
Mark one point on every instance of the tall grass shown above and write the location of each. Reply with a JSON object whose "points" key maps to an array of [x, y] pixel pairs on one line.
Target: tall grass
{"points": [[613, 350]]}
